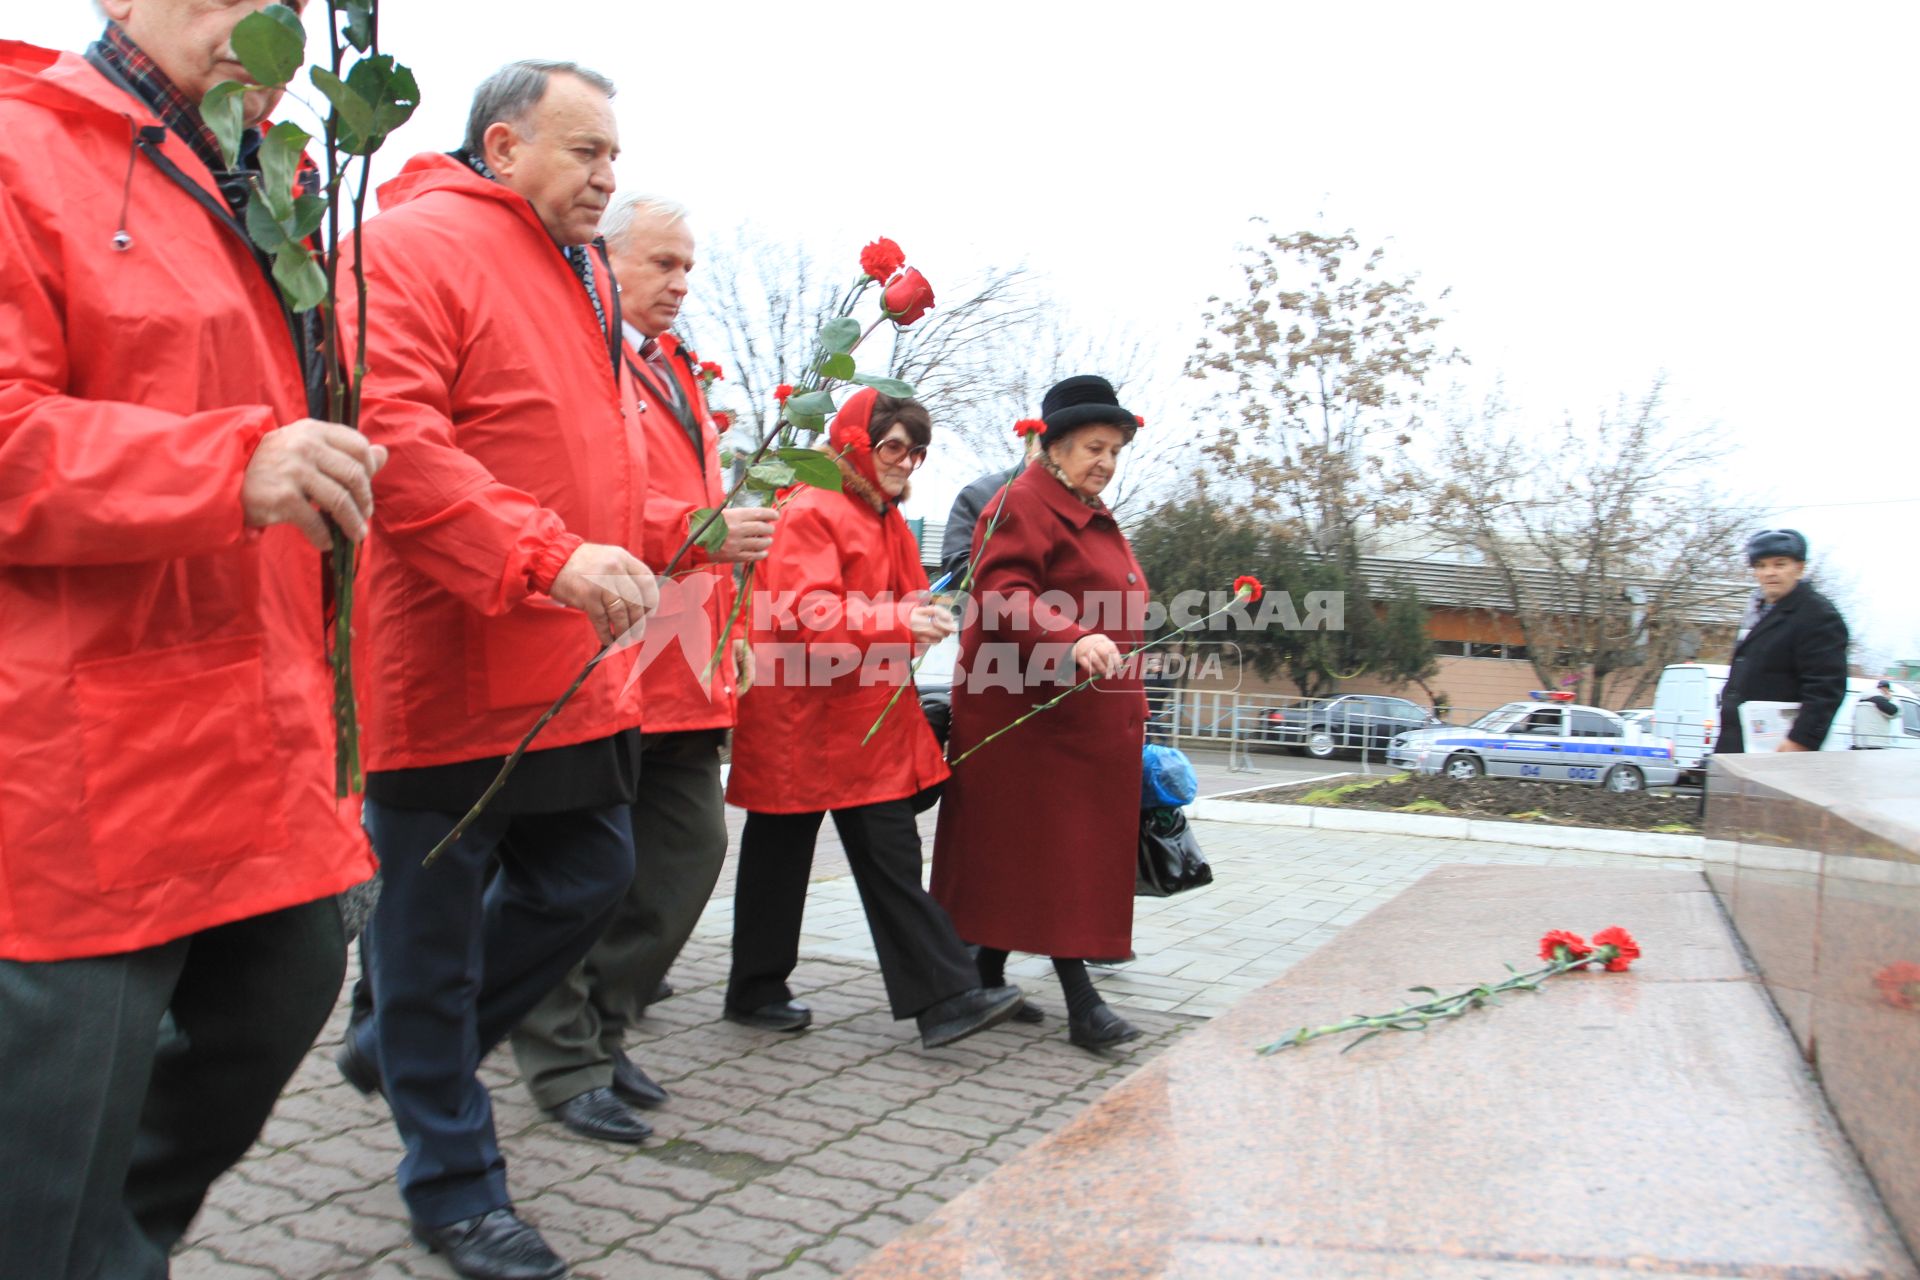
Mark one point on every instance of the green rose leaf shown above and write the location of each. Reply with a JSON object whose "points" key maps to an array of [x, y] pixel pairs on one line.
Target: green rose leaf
{"points": [[308, 211], [773, 475], [391, 91], [353, 113], [359, 29], [300, 278], [885, 386], [811, 423], [812, 404], [715, 533], [839, 366], [221, 109], [810, 466], [263, 228], [840, 335], [280, 153], [270, 44]]}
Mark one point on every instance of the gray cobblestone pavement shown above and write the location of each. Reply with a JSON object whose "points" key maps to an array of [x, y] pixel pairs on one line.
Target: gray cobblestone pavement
{"points": [[795, 1156]]}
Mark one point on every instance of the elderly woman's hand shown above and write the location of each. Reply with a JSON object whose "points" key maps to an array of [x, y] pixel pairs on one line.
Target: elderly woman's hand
{"points": [[930, 623], [1097, 655]]}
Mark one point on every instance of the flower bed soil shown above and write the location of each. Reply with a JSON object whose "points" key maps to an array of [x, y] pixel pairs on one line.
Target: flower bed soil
{"points": [[1550, 803]]}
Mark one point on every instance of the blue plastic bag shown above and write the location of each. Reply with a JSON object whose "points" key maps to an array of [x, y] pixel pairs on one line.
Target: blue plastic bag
{"points": [[1166, 778]]}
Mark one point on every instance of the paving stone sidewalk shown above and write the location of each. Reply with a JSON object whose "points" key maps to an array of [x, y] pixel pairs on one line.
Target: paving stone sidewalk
{"points": [[795, 1156]]}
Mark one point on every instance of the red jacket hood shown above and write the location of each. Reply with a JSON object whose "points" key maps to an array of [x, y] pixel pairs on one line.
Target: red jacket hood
{"points": [[433, 171]]}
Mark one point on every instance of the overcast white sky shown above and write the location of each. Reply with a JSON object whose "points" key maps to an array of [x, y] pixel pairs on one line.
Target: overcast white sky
{"points": [[1720, 191]]}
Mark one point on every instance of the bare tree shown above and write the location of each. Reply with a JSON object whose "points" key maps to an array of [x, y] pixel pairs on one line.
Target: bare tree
{"points": [[981, 360], [1321, 363], [1614, 547]]}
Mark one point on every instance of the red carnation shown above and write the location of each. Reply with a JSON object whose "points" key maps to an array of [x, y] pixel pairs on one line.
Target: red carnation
{"points": [[1251, 585], [1575, 944], [1137, 418], [1899, 985], [908, 297], [722, 419], [1622, 942], [1029, 427], [708, 369], [782, 391], [881, 259]]}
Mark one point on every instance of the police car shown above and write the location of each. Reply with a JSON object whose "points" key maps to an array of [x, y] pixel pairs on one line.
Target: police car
{"points": [[1547, 739]]}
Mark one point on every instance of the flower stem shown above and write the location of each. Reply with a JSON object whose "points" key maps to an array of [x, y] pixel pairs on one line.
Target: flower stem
{"points": [[1238, 596], [966, 584], [1417, 1017]]}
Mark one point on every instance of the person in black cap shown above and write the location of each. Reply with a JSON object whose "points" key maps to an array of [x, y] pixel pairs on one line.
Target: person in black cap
{"points": [[1792, 646], [1039, 832]]}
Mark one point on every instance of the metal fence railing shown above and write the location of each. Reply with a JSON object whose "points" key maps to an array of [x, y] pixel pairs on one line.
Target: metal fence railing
{"points": [[1352, 727]]}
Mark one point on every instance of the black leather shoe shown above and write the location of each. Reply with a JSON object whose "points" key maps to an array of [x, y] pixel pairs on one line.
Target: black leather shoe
{"points": [[1028, 1012], [958, 1017], [633, 1085], [356, 1067], [494, 1246], [784, 1015], [662, 992], [1100, 1029], [598, 1114]]}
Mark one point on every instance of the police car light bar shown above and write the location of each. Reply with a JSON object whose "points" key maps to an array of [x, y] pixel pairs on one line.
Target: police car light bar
{"points": [[1551, 695]]}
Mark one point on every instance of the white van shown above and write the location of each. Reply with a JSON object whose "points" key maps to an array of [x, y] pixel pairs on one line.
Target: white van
{"points": [[1686, 710]]}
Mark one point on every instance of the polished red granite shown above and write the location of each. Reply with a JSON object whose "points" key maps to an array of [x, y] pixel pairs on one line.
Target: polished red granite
{"points": [[1655, 1122]]}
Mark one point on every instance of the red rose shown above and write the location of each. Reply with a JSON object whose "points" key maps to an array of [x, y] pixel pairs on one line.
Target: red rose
{"points": [[708, 369], [782, 391], [1250, 584], [881, 259], [1575, 944], [1625, 948], [1028, 427], [908, 297], [1899, 985]]}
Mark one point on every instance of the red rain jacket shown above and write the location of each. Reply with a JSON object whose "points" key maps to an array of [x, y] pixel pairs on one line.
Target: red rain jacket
{"points": [[165, 707], [684, 635], [511, 421], [826, 670]]}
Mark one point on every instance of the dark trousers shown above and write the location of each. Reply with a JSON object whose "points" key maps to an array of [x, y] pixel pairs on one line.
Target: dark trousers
{"points": [[922, 959], [458, 960], [565, 1046], [113, 1129]]}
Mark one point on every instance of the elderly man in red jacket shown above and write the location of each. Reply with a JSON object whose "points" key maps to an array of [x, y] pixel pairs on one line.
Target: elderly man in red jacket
{"points": [[517, 486], [570, 1047], [170, 845]]}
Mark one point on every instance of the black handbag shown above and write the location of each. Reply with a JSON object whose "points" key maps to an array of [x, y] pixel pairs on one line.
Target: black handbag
{"points": [[1170, 860]]}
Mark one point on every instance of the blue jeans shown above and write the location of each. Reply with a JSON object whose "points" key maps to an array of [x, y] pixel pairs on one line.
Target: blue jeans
{"points": [[457, 961]]}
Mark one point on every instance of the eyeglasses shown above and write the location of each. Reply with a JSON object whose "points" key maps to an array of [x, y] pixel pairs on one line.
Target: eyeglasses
{"points": [[892, 451]]}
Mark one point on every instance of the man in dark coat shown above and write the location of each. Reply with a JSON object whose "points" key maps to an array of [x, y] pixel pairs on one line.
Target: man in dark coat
{"points": [[1792, 647], [956, 545]]}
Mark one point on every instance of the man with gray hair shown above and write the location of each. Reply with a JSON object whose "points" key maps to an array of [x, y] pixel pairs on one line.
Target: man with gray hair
{"points": [[499, 376], [570, 1048]]}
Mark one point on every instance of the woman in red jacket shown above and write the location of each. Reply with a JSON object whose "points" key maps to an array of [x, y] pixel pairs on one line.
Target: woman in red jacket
{"points": [[840, 608], [1035, 850]]}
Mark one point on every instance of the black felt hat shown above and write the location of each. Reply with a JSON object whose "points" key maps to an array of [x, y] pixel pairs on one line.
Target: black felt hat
{"points": [[1790, 543], [1080, 401]]}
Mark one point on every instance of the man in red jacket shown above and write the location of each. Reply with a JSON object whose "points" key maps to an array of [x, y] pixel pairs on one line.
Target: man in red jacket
{"points": [[570, 1047], [517, 485], [170, 845]]}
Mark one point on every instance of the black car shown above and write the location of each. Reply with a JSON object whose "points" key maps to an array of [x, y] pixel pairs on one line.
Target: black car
{"points": [[1325, 729]]}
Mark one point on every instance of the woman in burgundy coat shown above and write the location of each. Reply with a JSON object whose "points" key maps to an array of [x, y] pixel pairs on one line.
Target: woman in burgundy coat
{"points": [[1039, 831], [839, 611]]}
